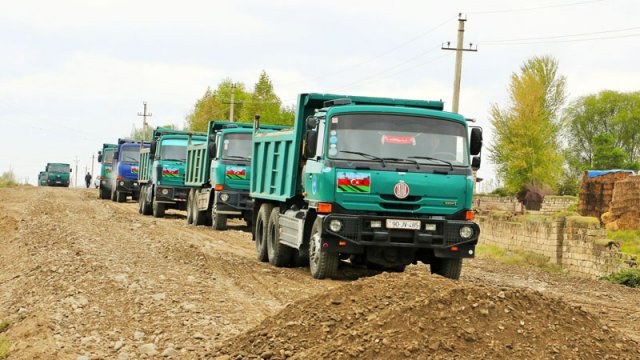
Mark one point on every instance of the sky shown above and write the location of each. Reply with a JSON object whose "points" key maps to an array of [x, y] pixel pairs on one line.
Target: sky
{"points": [[74, 74]]}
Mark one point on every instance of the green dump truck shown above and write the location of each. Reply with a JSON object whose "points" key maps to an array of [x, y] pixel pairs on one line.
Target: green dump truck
{"points": [[105, 158], [383, 182], [218, 171], [161, 171], [58, 174]]}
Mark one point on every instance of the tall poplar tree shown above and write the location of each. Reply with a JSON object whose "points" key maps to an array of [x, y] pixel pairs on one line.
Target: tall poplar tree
{"points": [[526, 147]]}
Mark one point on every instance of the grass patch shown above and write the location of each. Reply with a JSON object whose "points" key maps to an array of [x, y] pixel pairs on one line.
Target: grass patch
{"points": [[584, 220], [4, 325], [5, 346], [517, 257], [629, 240], [628, 277], [569, 197]]}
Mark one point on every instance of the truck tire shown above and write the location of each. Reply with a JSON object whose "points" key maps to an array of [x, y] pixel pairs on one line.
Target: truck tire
{"points": [[322, 264], [262, 221], [449, 268], [146, 203], [158, 209], [121, 197], [104, 194], [190, 207], [139, 199], [218, 221], [279, 254], [199, 217], [113, 195]]}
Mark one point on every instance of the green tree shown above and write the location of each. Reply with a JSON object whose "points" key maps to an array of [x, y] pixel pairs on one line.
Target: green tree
{"points": [[216, 105], [526, 145], [264, 102], [607, 112], [606, 155], [136, 133]]}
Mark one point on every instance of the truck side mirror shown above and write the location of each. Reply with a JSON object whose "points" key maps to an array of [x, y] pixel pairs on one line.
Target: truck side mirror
{"points": [[159, 170], [99, 156], [115, 155], [476, 141], [152, 147], [475, 162], [312, 122], [311, 144], [212, 149], [70, 170]]}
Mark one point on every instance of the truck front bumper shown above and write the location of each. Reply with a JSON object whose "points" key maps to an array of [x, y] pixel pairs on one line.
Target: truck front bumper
{"points": [[128, 186], [58, 182], [232, 202], [356, 232], [171, 195]]}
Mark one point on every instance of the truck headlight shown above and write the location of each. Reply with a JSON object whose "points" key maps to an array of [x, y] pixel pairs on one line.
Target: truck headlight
{"points": [[335, 225], [121, 183], [164, 191], [224, 197], [466, 232]]}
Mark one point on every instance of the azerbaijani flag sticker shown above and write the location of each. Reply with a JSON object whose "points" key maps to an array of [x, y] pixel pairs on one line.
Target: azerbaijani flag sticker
{"points": [[168, 172], [236, 173], [135, 169], [353, 182]]}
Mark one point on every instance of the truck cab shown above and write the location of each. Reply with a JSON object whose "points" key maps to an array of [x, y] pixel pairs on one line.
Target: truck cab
{"points": [[382, 182], [58, 174], [42, 178], [125, 169], [162, 171], [105, 158]]}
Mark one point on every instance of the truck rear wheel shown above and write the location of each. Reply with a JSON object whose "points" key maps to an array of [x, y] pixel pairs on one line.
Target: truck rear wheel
{"points": [[262, 221], [321, 263], [449, 268], [190, 207], [218, 221], [158, 209], [146, 203], [279, 254]]}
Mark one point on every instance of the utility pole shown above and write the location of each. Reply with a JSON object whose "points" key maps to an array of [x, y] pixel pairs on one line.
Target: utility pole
{"points": [[459, 49], [232, 102], [76, 160], [92, 161], [144, 123]]}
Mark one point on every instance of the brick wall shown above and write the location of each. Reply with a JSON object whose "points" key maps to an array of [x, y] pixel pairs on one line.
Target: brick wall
{"points": [[499, 203], [577, 244], [553, 204]]}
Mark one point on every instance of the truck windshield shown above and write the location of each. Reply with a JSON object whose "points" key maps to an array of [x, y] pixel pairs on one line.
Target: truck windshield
{"points": [[59, 168], [130, 154], [393, 136], [236, 145], [173, 152], [108, 156]]}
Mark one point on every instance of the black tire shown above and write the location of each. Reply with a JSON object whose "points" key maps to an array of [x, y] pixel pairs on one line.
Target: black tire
{"points": [[199, 217], [262, 221], [146, 203], [113, 195], [321, 263], [449, 268], [298, 260], [218, 221], [190, 207], [104, 194], [158, 209], [139, 199], [121, 197], [279, 254]]}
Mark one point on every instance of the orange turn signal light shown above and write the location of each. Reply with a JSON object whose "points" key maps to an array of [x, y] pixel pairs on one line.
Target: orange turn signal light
{"points": [[469, 215], [120, 178], [342, 243], [219, 187], [454, 248], [325, 208]]}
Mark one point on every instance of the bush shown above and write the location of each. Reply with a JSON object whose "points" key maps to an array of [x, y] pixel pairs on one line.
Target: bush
{"points": [[5, 346], [629, 277], [500, 192], [7, 179]]}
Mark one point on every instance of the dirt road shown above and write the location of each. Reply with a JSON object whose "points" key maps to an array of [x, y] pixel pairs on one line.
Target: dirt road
{"points": [[83, 278]]}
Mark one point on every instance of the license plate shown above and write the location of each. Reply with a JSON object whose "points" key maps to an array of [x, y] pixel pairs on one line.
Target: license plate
{"points": [[403, 224]]}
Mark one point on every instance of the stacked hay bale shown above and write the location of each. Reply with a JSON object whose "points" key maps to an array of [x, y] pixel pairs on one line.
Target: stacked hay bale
{"points": [[596, 193], [624, 213]]}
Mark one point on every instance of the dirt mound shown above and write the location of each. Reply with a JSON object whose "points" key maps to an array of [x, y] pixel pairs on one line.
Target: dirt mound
{"points": [[417, 315]]}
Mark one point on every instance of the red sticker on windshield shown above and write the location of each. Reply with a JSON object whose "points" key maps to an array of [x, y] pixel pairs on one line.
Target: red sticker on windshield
{"points": [[402, 140]]}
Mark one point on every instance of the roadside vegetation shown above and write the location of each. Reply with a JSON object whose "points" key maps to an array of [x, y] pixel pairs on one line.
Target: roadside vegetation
{"points": [[8, 179], [629, 240], [517, 257], [5, 344], [628, 277]]}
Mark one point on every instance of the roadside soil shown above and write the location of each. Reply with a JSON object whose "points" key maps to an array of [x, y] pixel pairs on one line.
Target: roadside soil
{"points": [[83, 278]]}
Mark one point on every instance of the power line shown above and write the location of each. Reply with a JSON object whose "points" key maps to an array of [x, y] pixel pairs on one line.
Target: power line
{"points": [[564, 41], [533, 8], [560, 36]]}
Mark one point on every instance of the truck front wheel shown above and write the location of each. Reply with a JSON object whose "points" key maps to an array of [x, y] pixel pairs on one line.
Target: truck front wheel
{"points": [[190, 207], [321, 263], [449, 268], [121, 197], [218, 221], [279, 254], [262, 220], [158, 209]]}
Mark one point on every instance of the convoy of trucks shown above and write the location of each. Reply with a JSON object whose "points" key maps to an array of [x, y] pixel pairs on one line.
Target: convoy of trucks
{"points": [[380, 182], [161, 176]]}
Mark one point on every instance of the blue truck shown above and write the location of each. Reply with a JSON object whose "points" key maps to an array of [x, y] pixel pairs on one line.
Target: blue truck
{"points": [[125, 168]]}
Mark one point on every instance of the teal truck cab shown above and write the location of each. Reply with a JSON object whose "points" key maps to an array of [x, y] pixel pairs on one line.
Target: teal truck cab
{"points": [[161, 175], [105, 158], [58, 174], [382, 182], [125, 169], [42, 178], [219, 172]]}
